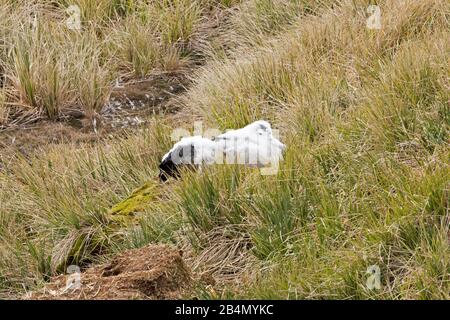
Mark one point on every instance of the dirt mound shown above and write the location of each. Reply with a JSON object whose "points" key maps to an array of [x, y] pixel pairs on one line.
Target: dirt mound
{"points": [[152, 272]]}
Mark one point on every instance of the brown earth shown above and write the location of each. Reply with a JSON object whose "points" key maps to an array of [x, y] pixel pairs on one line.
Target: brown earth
{"points": [[151, 272], [160, 272], [131, 106], [131, 103]]}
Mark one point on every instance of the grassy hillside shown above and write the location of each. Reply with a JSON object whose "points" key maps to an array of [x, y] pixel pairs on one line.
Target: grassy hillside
{"points": [[365, 114]]}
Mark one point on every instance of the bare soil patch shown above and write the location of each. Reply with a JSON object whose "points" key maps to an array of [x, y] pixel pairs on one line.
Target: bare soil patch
{"points": [[131, 106], [132, 103], [151, 272]]}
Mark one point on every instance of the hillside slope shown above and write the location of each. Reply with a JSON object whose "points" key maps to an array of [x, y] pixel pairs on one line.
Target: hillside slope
{"points": [[364, 185]]}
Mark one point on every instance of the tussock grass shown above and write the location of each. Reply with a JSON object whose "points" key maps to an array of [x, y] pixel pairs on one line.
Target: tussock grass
{"points": [[54, 67], [177, 20], [69, 196], [364, 181], [365, 114], [142, 52], [4, 109]]}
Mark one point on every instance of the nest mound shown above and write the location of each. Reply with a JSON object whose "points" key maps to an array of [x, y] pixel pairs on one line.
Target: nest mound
{"points": [[152, 272]]}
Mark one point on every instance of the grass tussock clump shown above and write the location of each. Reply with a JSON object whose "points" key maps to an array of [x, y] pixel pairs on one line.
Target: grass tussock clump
{"points": [[365, 115], [67, 197], [4, 110], [57, 81], [65, 55], [258, 19], [363, 185]]}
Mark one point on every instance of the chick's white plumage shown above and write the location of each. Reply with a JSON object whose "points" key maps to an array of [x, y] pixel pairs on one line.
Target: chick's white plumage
{"points": [[253, 145], [192, 150]]}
